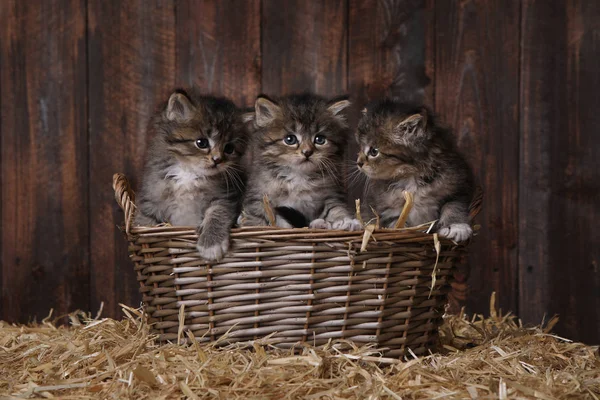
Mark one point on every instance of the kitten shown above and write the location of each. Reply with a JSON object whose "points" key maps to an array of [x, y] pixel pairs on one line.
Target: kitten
{"points": [[192, 174], [298, 149], [402, 148]]}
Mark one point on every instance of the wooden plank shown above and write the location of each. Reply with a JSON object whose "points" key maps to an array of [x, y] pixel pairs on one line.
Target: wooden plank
{"points": [[429, 78], [559, 252], [132, 68], [304, 46], [5, 17], [218, 47], [390, 45], [45, 261], [477, 93]]}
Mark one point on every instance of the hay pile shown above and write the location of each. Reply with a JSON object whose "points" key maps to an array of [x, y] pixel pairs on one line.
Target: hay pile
{"points": [[103, 358]]}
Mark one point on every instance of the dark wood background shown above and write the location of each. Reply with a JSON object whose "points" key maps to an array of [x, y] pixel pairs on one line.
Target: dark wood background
{"points": [[518, 81]]}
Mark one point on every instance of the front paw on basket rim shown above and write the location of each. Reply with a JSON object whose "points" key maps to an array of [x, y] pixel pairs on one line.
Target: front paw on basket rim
{"points": [[348, 224], [456, 232], [320, 224], [214, 251]]}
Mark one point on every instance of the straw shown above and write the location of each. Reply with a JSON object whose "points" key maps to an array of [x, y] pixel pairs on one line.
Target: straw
{"points": [[269, 210], [490, 358], [408, 204]]}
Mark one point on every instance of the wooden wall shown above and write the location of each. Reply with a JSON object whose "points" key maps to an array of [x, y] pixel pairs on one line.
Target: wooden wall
{"points": [[518, 81]]}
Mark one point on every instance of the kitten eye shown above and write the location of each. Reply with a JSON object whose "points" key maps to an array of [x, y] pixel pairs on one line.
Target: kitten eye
{"points": [[202, 143], [229, 148], [290, 140], [320, 139], [373, 152]]}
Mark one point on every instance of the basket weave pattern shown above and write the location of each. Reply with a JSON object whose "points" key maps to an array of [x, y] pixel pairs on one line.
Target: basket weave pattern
{"points": [[293, 285]]}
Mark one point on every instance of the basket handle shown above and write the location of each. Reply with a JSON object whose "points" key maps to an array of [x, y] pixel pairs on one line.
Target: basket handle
{"points": [[124, 197]]}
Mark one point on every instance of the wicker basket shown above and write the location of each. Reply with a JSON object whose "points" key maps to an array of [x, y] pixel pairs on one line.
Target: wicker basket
{"points": [[294, 285]]}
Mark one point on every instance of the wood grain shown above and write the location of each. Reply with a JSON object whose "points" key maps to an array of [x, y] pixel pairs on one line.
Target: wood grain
{"points": [[559, 252], [218, 47], [387, 49], [132, 69], [45, 261], [517, 80], [430, 48], [477, 94], [304, 46]]}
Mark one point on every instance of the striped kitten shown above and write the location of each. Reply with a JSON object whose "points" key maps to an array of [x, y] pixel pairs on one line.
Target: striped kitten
{"points": [[298, 151], [402, 148], [192, 174]]}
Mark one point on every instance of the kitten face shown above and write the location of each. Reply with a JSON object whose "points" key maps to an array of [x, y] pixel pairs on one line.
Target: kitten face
{"points": [[404, 149], [392, 139], [304, 133], [192, 174], [205, 136], [298, 149]]}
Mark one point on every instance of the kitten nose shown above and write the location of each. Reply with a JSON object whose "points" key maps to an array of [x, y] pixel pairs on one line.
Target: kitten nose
{"points": [[217, 159], [360, 164], [307, 152]]}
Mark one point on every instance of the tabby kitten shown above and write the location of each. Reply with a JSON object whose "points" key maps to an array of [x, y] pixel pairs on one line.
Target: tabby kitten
{"points": [[192, 174], [402, 148], [298, 149]]}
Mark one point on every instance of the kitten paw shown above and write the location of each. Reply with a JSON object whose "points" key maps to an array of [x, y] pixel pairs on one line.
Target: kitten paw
{"points": [[347, 224], [320, 224], [214, 251], [456, 232], [143, 220]]}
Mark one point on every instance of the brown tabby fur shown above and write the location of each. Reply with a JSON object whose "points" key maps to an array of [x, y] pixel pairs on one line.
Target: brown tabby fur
{"points": [[303, 178], [184, 184], [403, 148]]}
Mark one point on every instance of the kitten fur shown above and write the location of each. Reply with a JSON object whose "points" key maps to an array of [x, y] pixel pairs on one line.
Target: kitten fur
{"points": [[403, 148], [303, 177], [192, 174]]}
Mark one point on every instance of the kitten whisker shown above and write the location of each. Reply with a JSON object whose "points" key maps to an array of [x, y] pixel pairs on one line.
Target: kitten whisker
{"points": [[367, 187], [226, 181], [235, 168], [321, 169], [353, 173], [355, 177], [235, 179], [329, 167], [235, 172], [239, 182]]}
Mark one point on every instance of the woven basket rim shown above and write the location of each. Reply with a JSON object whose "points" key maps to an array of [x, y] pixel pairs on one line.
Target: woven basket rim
{"points": [[241, 231], [125, 197]]}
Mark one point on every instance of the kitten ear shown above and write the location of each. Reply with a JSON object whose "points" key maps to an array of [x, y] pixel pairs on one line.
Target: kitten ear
{"points": [[179, 108], [413, 126], [337, 106], [248, 117], [266, 111]]}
